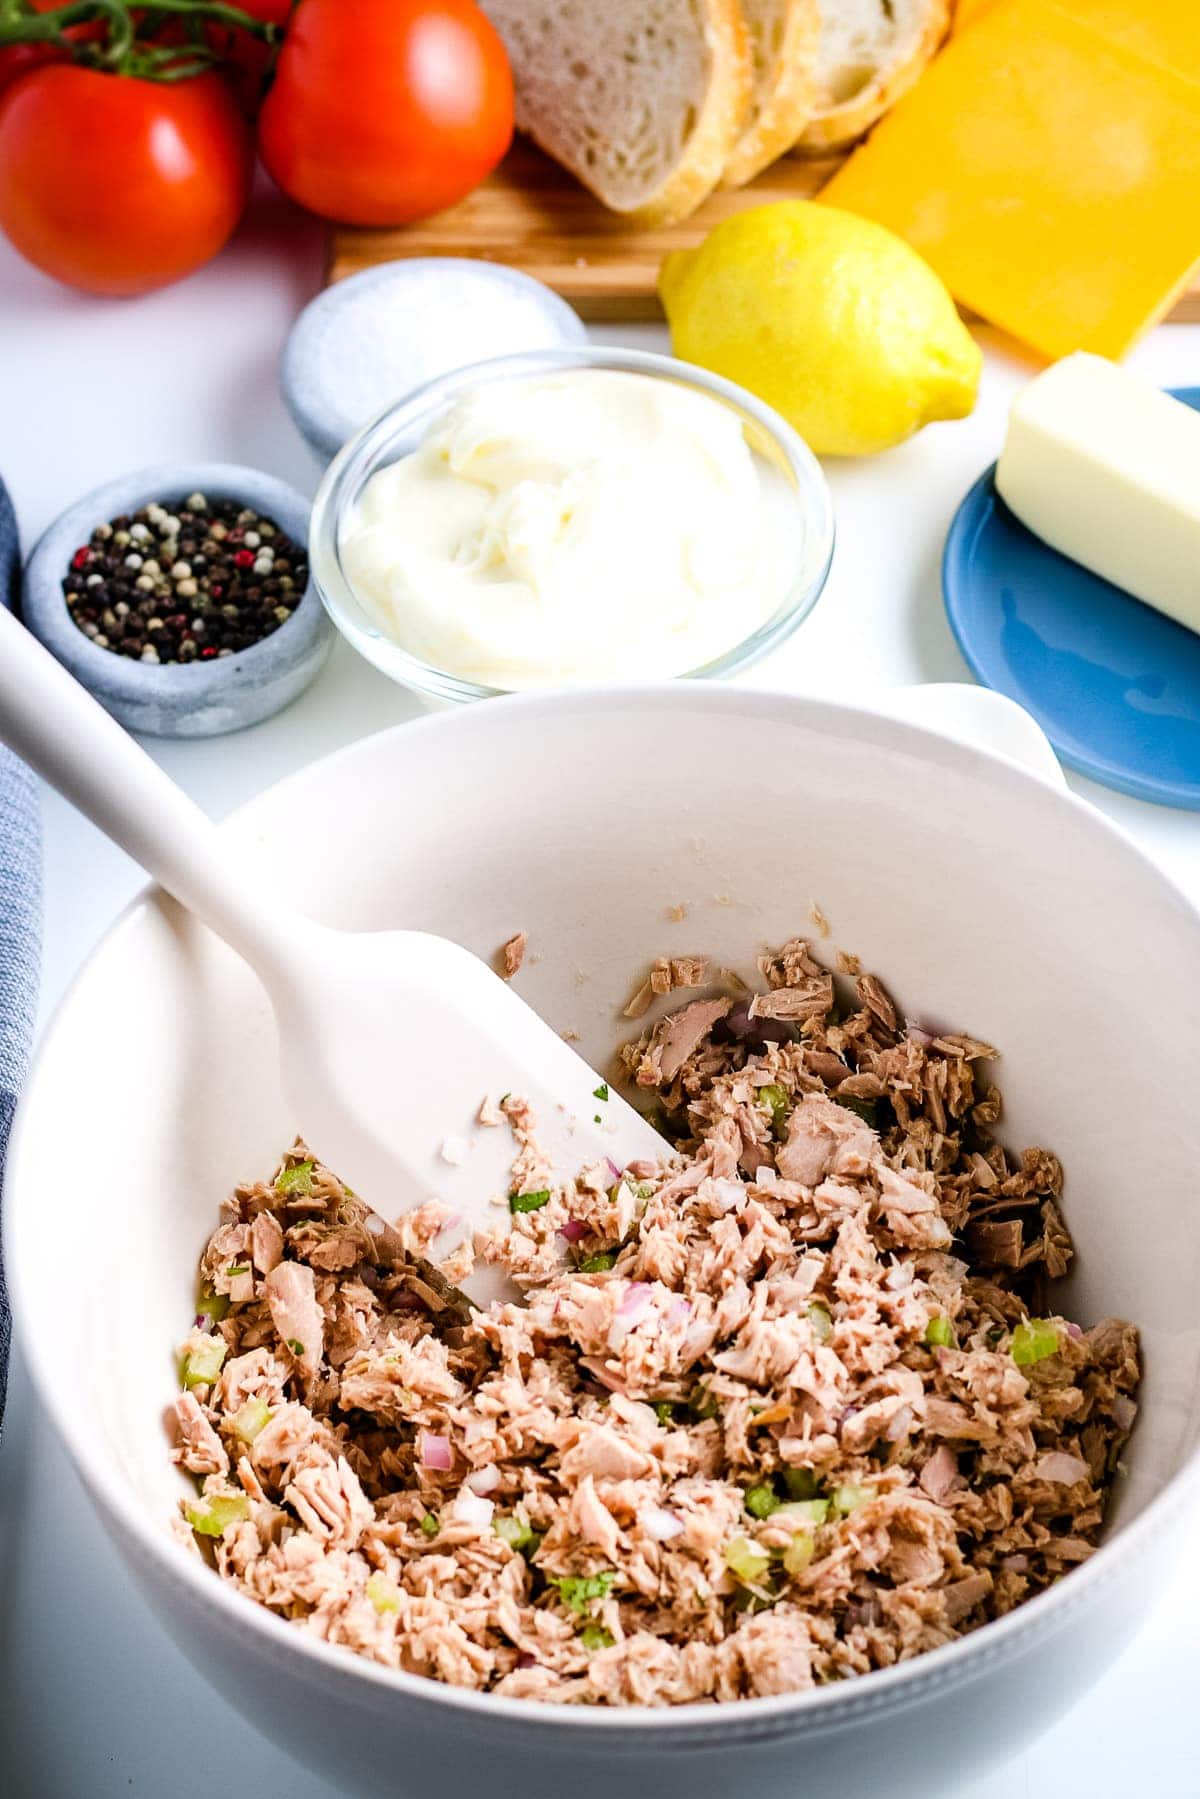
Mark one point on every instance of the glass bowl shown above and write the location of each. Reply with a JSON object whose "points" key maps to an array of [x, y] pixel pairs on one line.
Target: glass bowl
{"points": [[398, 430]]}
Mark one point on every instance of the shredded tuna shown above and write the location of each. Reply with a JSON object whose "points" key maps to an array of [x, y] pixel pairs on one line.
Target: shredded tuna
{"points": [[589, 1498], [512, 955]]}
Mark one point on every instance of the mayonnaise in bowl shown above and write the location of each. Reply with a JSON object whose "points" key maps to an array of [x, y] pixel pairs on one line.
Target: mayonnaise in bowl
{"points": [[576, 524]]}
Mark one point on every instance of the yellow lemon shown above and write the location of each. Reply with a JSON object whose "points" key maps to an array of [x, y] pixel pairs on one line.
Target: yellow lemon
{"points": [[830, 318]]}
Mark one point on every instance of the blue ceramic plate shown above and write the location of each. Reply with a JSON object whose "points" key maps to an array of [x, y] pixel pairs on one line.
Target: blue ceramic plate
{"points": [[1114, 684]]}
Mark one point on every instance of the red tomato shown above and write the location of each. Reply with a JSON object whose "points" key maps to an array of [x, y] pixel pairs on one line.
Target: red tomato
{"points": [[17, 60], [119, 185], [383, 111]]}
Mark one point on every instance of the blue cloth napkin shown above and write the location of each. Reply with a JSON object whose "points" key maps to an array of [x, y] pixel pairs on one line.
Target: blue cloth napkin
{"points": [[20, 911]]}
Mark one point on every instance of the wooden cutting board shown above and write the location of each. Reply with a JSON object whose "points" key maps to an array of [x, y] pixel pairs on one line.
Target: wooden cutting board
{"points": [[534, 216]]}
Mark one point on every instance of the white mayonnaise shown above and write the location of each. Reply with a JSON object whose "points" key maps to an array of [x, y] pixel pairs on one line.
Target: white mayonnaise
{"points": [[575, 526]]}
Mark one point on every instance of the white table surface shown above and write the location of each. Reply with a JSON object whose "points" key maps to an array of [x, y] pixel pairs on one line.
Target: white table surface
{"points": [[94, 1700]]}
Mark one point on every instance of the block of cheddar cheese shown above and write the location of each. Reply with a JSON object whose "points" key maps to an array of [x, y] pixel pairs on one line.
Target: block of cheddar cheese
{"points": [[1050, 172]]}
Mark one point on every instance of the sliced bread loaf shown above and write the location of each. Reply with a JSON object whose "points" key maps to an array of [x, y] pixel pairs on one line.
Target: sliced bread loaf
{"points": [[783, 40], [869, 53], [643, 100]]}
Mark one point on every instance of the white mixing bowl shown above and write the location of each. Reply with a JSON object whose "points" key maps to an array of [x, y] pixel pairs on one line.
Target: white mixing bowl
{"points": [[987, 898]]}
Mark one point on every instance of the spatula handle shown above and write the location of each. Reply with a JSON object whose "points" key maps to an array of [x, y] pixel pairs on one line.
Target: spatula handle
{"points": [[55, 725]]}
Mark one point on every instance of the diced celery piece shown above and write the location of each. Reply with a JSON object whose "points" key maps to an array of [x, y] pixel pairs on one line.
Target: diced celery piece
{"points": [[529, 1202], [799, 1552], [777, 1102], [212, 1515], [383, 1593], [212, 1304], [430, 1524], [296, 1179], [513, 1529], [761, 1501], [594, 1636], [600, 1263], [822, 1323], [202, 1363], [801, 1483], [806, 1512], [848, 1498], [746, 1561], [251, 1418], [1033, 1341]]}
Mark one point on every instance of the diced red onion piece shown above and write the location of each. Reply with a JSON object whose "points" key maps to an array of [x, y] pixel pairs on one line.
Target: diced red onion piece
{"points": [[635, 1304], [661, 1525], [472, 1508], [573, 1230], [1016, 1564], [680, 1311], [915, 1034], [1061, 1468], [900, 1425], [1073, 1330], [434, 1452], [616, 1172], [1124, 1411], [525, 1660], [485, 1479]]}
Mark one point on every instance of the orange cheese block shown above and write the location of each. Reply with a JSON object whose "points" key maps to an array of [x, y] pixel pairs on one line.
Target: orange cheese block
{"points": [[1166, 31], [1050, 174]]}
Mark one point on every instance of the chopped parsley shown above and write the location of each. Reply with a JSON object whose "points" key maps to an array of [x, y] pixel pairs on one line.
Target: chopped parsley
{"points": [[594, 1636], [295, 1345], [600, 1092], [236, 1268], [529, 1202], [664, 1411], [577, 1591]]}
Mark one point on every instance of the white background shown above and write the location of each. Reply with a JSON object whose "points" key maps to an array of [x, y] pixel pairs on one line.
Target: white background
{"points": [[95, 1702]]}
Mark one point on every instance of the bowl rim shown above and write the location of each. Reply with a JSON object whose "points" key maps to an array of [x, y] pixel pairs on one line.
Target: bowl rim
{"points": [[343, 479], [44, 607], [882, 1691]]}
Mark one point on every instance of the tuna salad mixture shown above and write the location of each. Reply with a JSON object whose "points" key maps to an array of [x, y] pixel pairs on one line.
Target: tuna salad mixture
{"points": [[792, 1407]]}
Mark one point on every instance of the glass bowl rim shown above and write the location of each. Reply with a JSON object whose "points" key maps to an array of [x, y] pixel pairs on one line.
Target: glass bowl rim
{"points": [[363, 453]]}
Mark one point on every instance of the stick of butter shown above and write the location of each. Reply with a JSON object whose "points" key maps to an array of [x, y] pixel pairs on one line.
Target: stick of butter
{"points": [[1106, 469]]}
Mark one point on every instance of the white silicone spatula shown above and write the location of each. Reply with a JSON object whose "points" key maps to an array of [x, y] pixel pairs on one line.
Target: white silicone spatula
{"points": [[389, 1041]]}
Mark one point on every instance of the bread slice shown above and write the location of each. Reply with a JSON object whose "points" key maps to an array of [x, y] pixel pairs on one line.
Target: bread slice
{"points": [[870, 52], [784, 35], [643, 100]]}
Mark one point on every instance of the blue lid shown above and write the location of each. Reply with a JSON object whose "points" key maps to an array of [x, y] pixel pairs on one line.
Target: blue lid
{"points": [[1114, 684]]}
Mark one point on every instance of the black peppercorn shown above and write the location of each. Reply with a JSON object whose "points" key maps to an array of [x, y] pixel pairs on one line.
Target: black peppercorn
{"points": [[143, 584]]}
